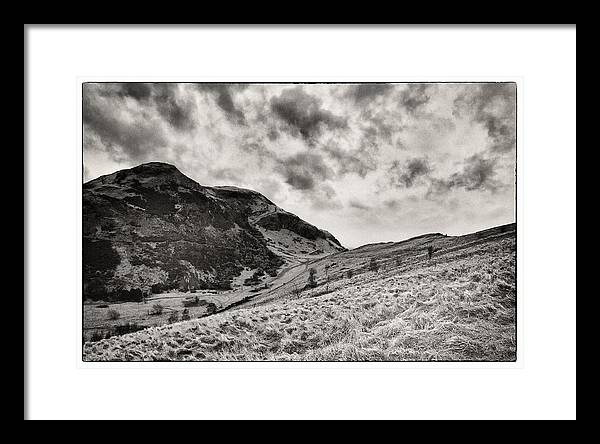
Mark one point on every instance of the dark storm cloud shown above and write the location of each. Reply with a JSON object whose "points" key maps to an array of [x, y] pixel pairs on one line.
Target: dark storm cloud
{"points": [[135, 139], [478, 174], [368, 91], [175, 109], [304, 171], [405, 175], [178, 112], [415, 96], [137, 91], [303, 114], [494, 106], [224, 99]]}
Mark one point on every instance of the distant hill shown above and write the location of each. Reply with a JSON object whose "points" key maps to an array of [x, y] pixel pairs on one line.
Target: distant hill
{"points": [[152, 229]]}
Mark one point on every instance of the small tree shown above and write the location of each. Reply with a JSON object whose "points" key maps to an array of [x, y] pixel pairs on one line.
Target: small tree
{"points": [[430, 251], [312, 278], [374, 265], [350, 274], [185, 315]]}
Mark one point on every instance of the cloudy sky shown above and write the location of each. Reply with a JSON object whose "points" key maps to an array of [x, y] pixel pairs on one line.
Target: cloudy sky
{"points": [[367, 162]]}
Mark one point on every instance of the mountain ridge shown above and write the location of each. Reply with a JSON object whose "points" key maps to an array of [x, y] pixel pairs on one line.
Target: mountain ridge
{"points": [[151, 228]]}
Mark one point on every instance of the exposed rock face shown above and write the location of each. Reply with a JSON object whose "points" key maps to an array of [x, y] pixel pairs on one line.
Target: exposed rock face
{"points": [[153, 228]]}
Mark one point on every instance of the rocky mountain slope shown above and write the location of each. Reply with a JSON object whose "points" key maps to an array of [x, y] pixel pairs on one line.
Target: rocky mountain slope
{"points": [[151, 229]]}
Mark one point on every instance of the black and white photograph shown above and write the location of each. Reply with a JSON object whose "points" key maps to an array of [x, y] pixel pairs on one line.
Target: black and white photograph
{"points": [[299, 222], [309, 221]]}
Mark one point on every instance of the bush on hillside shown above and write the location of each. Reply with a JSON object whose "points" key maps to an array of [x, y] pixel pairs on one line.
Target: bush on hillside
{"points": [[211, 308], [113, 315], [130, 327], [96, 336], [156, 310], [373, 265], [157, 288], [312, 278], [191, 302], [296, 291]]}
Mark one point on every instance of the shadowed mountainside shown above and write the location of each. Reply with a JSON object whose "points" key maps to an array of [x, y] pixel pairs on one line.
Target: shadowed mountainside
{"points": [[153, 229]]}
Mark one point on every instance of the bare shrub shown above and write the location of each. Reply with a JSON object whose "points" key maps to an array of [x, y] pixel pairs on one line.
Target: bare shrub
{"points": [[96, 336], [211, 308], [156, 310], [312, 278], [373, 265], [113, 315], [173, 317], [191, 302], [296, 291], [430, 251], [130, 327]]}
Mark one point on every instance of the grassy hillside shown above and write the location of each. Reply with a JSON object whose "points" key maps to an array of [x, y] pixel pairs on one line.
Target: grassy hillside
{"points": [[460, 305]]}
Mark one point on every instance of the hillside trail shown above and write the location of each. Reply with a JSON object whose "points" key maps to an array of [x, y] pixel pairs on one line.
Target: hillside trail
{"points": [[286, 275], [227, 299], [413, 253]]}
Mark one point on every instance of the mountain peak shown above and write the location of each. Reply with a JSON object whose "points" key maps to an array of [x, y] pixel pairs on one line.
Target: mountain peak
{"points": [[152, 226], [156, 166], [154, 169], [149, 174]]}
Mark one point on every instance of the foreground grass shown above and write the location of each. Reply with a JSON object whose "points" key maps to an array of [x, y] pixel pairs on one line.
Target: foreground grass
{"points": [[460, 307]]}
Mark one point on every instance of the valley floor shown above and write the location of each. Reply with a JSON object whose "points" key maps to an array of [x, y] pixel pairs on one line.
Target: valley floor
{"points": [[458, 306]]}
